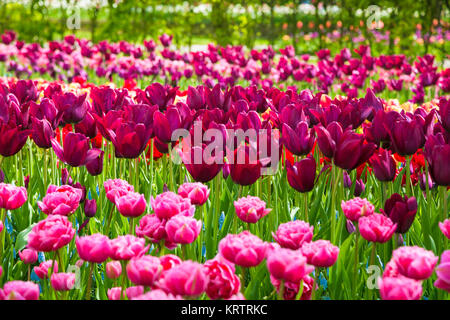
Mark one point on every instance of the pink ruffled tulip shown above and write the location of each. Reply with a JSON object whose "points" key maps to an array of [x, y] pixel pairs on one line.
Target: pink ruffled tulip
{"points": [[21, 290], [94, 248], [415, 262], [131, 204], [288, 265], [250, 209], [186, 279], [169, 261], [152, 227], [182, 229], [169, 204], [157, 294], [43, 269], [113, 269], [127, 247], [12, 197], [51, 234], [114, 293], [223, 282], [197, 192], [243, 249], [63, 281], [28, 256], [135, 291], [144, 270], [291, 288], [400, 288], [63, 200], [445, 228], [356, 208], [391, 270], [116, 188], [376, 228], [320, 253], [443, 272], [293, 234]]}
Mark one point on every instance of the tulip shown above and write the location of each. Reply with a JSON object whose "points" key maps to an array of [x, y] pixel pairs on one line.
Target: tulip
{"points": [[11, 197], [94, 248], [169, 204], [182, 229], [63, 200], [12, 139], [444, 113], [21, 290], [95, 166], [383, 165], [131, 204], [300, 141], [400, 288], [42, 133], [293, 234], [175, 117], [87, 126], [51, 234], [352, 150], [320, 253], [197, 192], [443, 273], [133, 292], [328, 138], [223, 283], [62, 281], [28, 256], [114, 293], [90, 208], [288, 265], [206, 169], [407, 136], [291, 289], [43, 269], [414, 262], [130, 139], [356, 208], [250, 209], [76, 151], [72, 108], [246, 168], [46, 110], [151, 227], [376, 228], [445, 228], [302, 174], [401, 211], [116, 188], [113, 269], [156, 94], [157, 294], [186, 279], [127, 247], [144, 270], [244, 249], [437, 153]]}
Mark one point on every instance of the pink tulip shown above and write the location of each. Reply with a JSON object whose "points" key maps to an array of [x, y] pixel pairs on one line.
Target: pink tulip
{"points": [[133, 292], [186, 279], [169, 261], [444, 226], [144, 270], [356, 208], [51, 234], [400, 288], [116, 188], [243, 249], [320, 253], [291, 289], [414, 262], [12, 197], [43, 269], [94, 248], [169, 204], [113, 269], [288, 265], [28, 256], [63, 281], [63, 200], [152, 227], [197, 192], [237, 296], [157, 294], [21, 290], [131, 204], [182, 229], [223, 282], [114, 293], [377, 228], [127, 247], [443, 272], [250, 209], [293, 234], [391, 270]]}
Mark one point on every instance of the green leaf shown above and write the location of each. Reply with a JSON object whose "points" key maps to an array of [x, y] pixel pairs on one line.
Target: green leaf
{"points": [[22, 238]]}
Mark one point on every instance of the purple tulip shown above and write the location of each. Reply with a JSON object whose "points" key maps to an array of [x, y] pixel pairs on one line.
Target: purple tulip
{"points": [[95, 166], [42, 133], [301, 175], [407, 136], [12, 139], [90, 208], [73, 108], [437, 153], [300, 141], [76, 151], [383, 165], [401, 211]]}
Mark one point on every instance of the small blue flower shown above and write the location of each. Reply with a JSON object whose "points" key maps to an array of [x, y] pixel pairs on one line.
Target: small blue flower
{"points": [[221, 220]]}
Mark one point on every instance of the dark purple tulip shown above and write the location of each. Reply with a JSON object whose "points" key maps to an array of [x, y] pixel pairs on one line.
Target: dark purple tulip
{"points": [[87, 126], [130, 139], [437, 153], [350, 226], [423, 181], [105, 99], [347, 180], [401, 211], [157, 94], [24, 90], [65, 177], [359, 188], [196, 99], [73, 108], [83, 191], [165, 39], [12, 139], [383, 165], [301, 175], [76, 150], [175, 117], [26, 181], [407, 136], [42, 133], [206, 169], [378, 130], [397, 85], [300, 141], [45, 110], [95, 167], [444, 113], [2, 176], [90, 208], [352, 150], [327, 138], [246, 167]]}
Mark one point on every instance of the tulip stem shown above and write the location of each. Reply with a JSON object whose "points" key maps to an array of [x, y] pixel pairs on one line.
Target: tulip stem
{"points": [[408, 176], [2, 233], [355, 267], [316, 280], [124, 277], [88, 289], [151, 169], [171, 185], [305, 195], [333, 202], [243, 279], [184, 252], [300, 291], [281, 291], [61, 266], [131, 226], [136, 175], [44, 158], [109, 220]]}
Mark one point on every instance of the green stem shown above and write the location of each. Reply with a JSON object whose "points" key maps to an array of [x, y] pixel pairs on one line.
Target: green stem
{"points": [[333, 203], [408, 176], [281, 291], [88, 289], [305, 195], [316, 281], [355, 266]]}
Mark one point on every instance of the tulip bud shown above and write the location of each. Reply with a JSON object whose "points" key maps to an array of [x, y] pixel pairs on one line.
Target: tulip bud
{"points": [[83, 190], [350, 226], [359, 187], [90, 208], [95, 166], [65, 177], [62, 281], [113, 269], [28, 256], [26, 181], [347, 180]]}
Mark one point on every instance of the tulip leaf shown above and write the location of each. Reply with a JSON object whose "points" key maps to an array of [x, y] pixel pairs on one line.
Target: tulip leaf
{"points": [[22, 238]]}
